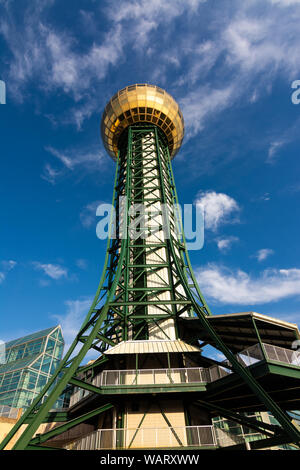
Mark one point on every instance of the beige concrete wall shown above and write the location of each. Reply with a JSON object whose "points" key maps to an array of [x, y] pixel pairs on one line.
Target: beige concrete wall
{"points": [[154, 430], [6, 424]]}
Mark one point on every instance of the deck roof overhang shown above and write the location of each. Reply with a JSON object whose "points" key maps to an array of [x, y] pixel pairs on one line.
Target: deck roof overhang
{"points": [[239, 330], [152, 346]]}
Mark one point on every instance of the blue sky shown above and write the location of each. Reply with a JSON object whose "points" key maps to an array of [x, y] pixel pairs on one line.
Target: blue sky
{"points": [[230, 65]]}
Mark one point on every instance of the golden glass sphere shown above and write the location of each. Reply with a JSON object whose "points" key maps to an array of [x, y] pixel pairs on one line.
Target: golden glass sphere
{"points": [[142, 103]]}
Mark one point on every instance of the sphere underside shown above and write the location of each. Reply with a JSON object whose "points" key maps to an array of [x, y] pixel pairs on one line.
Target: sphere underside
{"points": [[142, 103]]}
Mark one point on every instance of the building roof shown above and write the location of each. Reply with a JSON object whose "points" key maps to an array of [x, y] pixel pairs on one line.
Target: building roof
{"points": [[238, 331], [19, 364], [152, 346], [30, 337]]}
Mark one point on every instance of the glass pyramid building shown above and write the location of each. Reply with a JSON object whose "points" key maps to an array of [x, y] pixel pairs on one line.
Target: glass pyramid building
{"points": [[29, 363]]}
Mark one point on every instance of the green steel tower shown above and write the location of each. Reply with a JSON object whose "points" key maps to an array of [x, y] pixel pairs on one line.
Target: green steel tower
{"points": [[151, 385]]}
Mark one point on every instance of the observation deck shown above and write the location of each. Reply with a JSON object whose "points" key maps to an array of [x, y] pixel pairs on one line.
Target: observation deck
{"points": [[137, 104]]}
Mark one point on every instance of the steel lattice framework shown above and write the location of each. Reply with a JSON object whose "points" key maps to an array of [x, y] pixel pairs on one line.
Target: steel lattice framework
{"points": [[146, 287]]}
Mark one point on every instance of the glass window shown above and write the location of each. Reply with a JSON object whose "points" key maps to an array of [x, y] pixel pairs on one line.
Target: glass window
{"points": [[54, 365], [37, 364], [50, 345], [46, 364], [58, 350]]}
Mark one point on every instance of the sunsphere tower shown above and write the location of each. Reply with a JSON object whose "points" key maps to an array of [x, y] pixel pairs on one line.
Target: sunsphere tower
{"points": [[151, 385]]}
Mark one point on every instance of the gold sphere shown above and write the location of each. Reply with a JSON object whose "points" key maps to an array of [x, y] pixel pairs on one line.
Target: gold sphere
{"points": [[142, 103]]}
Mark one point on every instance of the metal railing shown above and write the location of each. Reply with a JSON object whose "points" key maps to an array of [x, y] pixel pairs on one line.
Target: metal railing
{"points": [[247, 357], [225, 438], [251, 355], [277, 353], [78, 395], [141, 438], [217, 372], [151, 376], [177, 376]]}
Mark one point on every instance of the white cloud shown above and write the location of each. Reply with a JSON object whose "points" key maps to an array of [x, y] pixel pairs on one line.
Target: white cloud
{"points": [[44, 282], [145, 15], [237, 46], [273, 149], [73, 157], [289, 135], [251, 44], [226, 286], [218, 208], [50, 174], [67, 161], [204, 56], [82, 263], [285, 3], [265, 197], [6, 266], [224, 244], [201, 104], [54, 271], [50, 57], [88, 214], [246, 50], [263, 254], [71, 322]]}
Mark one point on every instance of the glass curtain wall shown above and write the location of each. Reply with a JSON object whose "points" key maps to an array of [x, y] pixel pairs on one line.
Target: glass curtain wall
{"points": [[29, 363]]}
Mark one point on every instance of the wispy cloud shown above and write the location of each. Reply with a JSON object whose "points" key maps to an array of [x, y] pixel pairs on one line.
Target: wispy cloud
{"points": [[238, 45], [7, 265], [54, 271], [249, 59], [224, 244], [71, 321], [72, 158], [40, 50], [274, 148], [222, 285], [218, 208], [285, 3], [282, 139], [88, 214], [82, 263], [88, 158], [263, 254], [252, 46], [145, 17], [265, 197], [200, 105], [50, 174]]}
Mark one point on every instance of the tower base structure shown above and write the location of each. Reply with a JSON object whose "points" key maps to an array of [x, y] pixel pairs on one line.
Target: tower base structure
{"points": [[153, 385]]}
